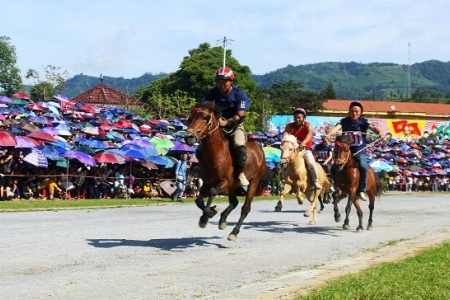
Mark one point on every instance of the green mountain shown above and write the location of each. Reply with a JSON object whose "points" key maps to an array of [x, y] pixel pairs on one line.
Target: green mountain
{"points": [[81, 83], [351, 80], [365, 81]]}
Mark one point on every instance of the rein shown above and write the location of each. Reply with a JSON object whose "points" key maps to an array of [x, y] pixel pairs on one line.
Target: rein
{"points": [[292, 161], [197, 132]]}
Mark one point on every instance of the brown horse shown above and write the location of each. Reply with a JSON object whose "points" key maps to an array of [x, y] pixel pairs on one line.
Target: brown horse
{"points": [[347, 181], [217, 168], [296, 177]]}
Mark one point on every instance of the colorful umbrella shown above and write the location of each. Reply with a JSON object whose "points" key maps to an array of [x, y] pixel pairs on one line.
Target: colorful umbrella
{"points": [[36, 158], [81, 156], [272, 154], [182, 147], [24, 142], [84, 149], [5, 99], [38, 135], [379, 166], [21, 96], [108, 158], [162, 143], [49, 152], [7, 139]]}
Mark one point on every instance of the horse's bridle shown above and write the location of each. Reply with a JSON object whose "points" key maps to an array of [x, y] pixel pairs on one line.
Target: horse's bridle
{"points": [[197, 132], [343, 160], [297, 151]]}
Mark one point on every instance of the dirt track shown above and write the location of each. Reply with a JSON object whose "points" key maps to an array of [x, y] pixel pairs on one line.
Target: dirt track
{"points": [[159, 252]]}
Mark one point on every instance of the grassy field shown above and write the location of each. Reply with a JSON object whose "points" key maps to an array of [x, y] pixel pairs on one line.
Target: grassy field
{"points": [[424, 276], [26, 205]]}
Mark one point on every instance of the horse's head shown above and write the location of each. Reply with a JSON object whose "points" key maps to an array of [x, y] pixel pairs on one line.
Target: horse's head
{"points": [[342, 152], [202, 121], [289, 148]]}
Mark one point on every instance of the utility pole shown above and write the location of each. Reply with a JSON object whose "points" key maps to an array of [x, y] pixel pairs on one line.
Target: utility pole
{"points": [[409, 71], [225, 42]]}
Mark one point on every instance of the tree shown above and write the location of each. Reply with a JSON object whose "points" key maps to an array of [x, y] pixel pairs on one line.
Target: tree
{"points": [[54, 76], [193, 79], [286, 95], [329, 92], [10, 80], [41, 91]]}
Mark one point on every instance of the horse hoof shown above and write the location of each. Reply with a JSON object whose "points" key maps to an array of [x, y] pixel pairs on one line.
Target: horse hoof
{"points": [[203, 222], [320, 211], [306, 215], [359, 230], [232, 237], [278, 208], [346, 226], [222, 225], [369, 227], [312, 223], [300, 201], [337, 219], [202, 225]]}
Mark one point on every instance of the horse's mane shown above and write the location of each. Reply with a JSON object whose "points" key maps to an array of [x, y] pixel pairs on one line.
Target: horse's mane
{"points": [[345, 139], [290, 138], [211, 105]]}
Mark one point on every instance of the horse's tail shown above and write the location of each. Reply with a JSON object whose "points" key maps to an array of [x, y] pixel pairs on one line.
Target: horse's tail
{"points": [[378, 185]]}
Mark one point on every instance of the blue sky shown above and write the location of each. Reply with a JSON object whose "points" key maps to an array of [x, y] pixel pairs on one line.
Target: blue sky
{"points": [[130, 38]]}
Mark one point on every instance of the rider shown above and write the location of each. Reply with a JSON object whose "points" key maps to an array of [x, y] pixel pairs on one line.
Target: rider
{"points": [[303, 131], [357, 125], [235, 103], [324, 153]]}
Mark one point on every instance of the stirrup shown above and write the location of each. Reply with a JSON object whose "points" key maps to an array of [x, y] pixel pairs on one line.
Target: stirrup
{"points": [[317, 185], [362, 196], [243, 180]]}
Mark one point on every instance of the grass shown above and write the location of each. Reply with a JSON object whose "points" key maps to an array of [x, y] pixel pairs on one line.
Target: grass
{"points": [[26, 205], [424, 276]]}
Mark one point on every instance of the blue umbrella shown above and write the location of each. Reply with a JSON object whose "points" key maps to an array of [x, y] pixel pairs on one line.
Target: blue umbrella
{"points": [[50, 152], [379, 166], [96, 144], [159, 160]]}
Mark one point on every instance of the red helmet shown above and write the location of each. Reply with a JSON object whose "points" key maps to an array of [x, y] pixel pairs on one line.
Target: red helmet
{"points": [[299, 110], [224, 74]]}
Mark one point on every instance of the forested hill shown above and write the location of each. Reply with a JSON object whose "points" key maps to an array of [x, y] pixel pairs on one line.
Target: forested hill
{"points": [[81, 83], [350, 80], [365, 81]]}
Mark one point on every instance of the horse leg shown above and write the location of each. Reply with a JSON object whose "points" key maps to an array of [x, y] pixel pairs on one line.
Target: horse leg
{"points": [[245, 208], [286, 190], [233, 202], [371, 207], [337, 214], [348, 208], [321, 202], [360, 215], [208, 211]]}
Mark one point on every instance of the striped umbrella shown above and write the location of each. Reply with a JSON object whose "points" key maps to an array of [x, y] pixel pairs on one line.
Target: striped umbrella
{"points": [[37, 158]]}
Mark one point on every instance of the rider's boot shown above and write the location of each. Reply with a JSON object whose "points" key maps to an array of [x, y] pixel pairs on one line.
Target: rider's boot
{"points": [[315, 178], [240, 155], [312, 168]]}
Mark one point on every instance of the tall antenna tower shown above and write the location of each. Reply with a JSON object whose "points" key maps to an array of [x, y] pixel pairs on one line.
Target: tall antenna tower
{"points": [[409, 71], [225, 42]]}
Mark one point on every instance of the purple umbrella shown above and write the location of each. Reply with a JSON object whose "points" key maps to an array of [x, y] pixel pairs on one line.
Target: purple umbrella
{"points": [[5, 99], [182, 147], [36, 158], [82, 157], [24, 142], [61, 97], [142, 142], [51, 130]]}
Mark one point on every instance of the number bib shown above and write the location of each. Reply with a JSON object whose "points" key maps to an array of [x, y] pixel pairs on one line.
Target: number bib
{"points": [[357, 139]]}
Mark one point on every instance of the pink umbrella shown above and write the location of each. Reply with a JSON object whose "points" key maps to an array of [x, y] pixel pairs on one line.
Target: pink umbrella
{"points": [[43, 136], [7, 139]]}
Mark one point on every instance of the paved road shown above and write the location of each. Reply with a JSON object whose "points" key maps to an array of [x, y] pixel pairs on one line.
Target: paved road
{"points": [[159, 252]]}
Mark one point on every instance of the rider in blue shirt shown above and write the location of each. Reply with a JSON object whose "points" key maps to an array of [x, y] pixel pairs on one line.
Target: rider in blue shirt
{"points": [[235, 103], [358, 126]]}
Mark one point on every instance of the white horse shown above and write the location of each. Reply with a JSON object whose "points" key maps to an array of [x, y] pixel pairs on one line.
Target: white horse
{"points": [[296, 177]]}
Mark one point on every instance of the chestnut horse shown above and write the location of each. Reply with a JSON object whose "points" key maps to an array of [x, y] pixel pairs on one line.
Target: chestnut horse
{"points": [[347, 182], [217, 168], [296, 177]]}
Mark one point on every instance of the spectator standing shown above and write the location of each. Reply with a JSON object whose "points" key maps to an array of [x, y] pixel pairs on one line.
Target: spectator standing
{"points": [[180, 177]]}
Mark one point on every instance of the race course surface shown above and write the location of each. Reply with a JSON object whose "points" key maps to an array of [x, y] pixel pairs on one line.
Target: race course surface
{"points": [[159, 252]]}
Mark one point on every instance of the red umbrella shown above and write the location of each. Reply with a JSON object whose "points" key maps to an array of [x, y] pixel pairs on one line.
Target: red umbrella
{"points": [[108, 158], [34, 107], [39, 135], [7, 139], [22, 96]]}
